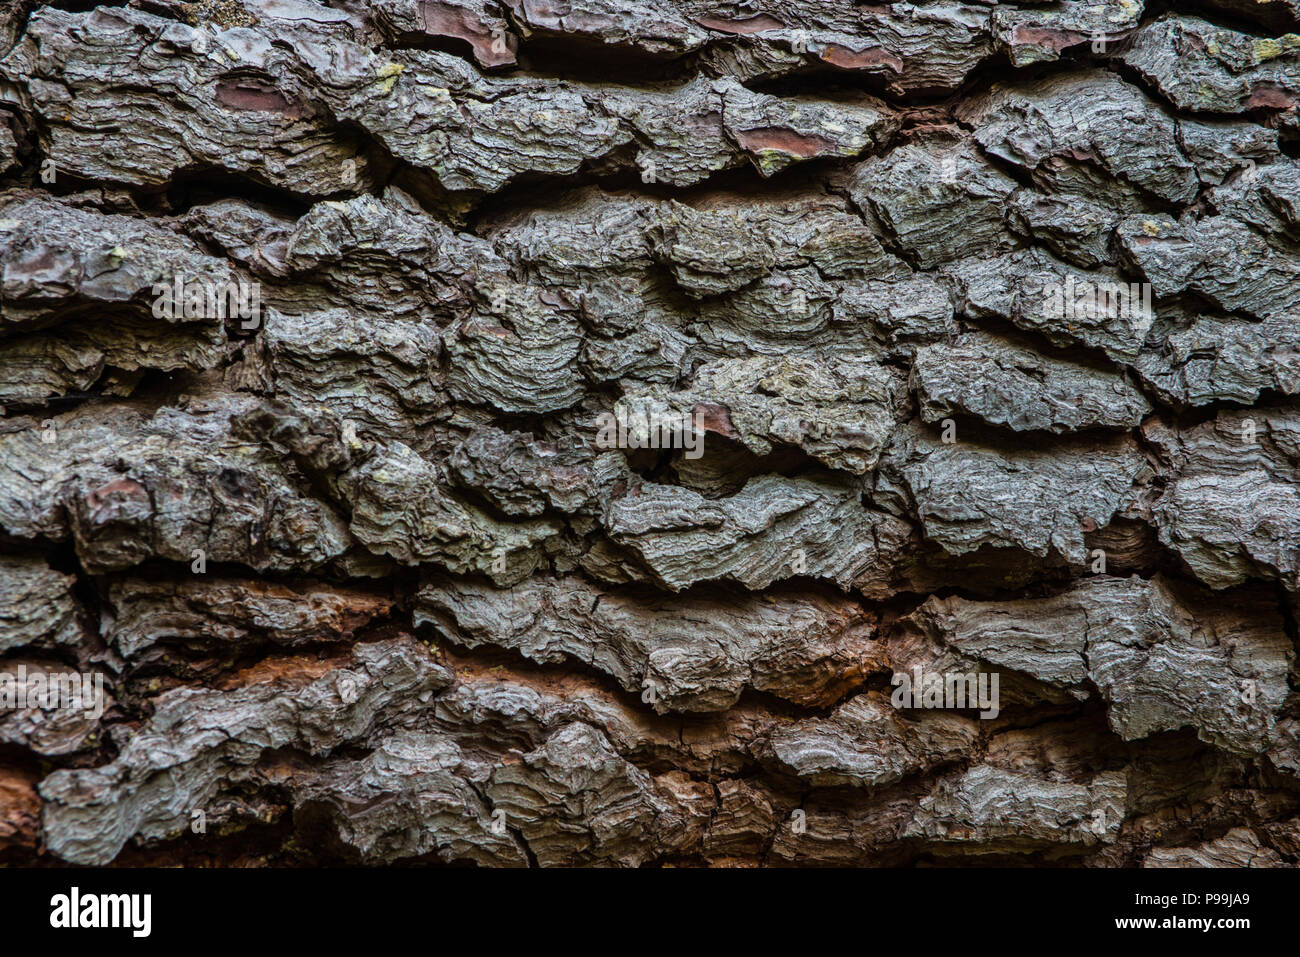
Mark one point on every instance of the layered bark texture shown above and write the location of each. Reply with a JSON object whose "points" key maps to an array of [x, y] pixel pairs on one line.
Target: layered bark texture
{"points": [[979, 324]]}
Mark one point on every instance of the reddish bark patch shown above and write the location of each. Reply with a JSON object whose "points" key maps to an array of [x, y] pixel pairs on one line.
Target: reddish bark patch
{"points": [[741, 27], [248, 94], [716, 419], [41, 264], [1270, 98], [1054, 40], [705, 124], [355, 610], [784, 141], [443, 20], [20, 808], [117, 492], [542, 13], [871, 59], [296, 670]]}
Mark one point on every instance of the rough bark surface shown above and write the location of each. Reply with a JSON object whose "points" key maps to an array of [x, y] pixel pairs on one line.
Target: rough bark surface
{"points": [[362, 580]]}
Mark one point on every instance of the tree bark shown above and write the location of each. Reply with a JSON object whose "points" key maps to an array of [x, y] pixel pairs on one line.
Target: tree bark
{"points": [[939, 339]]}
